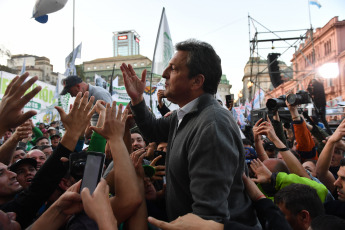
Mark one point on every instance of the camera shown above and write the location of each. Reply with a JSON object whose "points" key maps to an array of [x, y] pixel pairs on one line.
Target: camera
{"points": [[276, 103], [77, 162], [301, 97]]}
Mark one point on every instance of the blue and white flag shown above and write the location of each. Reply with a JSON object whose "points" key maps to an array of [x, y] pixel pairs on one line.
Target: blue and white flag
{"points": [[70, 60], [315, 3], [258, 98]]}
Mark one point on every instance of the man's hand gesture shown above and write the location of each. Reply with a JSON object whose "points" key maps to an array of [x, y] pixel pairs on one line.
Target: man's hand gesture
{"points": [[14, 100], [76, 121], [114, 124], [134, 86]]}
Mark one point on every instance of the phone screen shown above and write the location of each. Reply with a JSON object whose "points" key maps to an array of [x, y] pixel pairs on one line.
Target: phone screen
{"points": [[93, 171]]}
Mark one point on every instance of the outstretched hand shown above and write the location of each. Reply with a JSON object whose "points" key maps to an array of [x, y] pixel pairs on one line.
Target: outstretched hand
{"points": [[114, 124], [189, 221], [97, 206], [134, 86], [14, 100], [262, 173], [76, 121], [70, 203], [265, 128], [252, 189], [338, 133]]}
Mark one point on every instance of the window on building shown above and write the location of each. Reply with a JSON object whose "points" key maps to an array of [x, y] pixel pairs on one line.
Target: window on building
{"points": [[101, 67], [135, 64], [108, 66], [88, 68], [95, 67], [142, 64]]}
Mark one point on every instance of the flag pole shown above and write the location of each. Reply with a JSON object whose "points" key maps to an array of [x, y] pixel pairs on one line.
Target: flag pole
{"points": [[154, 55], [111, 81]]}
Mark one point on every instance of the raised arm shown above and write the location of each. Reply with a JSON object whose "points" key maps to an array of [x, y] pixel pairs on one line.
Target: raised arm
{"points": [[134, 86], [291, 161], [324, 162], [305, 143], [124, 203], [8, 148], [258, 143], [14, 101]]}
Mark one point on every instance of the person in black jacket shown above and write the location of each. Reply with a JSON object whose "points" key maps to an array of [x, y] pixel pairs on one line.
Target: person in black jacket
{"points": [[26, 203]]}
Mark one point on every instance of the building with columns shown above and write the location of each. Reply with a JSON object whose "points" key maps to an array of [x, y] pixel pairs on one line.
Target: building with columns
{"points": [[256, 77]]}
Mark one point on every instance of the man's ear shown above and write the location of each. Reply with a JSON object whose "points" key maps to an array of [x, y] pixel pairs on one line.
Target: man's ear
{"points": [[198, 81], [303, 218]]}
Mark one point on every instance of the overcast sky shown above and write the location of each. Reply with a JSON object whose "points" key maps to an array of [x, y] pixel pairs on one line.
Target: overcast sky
{"points": [[222, 23]]}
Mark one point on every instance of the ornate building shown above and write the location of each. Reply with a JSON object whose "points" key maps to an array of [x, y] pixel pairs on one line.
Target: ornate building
{"points": [[36, 66], [328, 44], [256, 77]]}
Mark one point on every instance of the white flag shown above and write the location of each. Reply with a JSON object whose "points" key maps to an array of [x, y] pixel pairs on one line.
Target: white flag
{"points": [[59, 86], [70, 59], [164, 48], [116, 82]]}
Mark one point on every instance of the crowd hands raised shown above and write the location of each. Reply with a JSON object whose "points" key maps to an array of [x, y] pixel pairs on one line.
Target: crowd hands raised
{"points": [[39, 191]]}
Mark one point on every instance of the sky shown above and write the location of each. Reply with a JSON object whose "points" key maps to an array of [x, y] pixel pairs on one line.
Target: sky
{"points": [[222, 23]]}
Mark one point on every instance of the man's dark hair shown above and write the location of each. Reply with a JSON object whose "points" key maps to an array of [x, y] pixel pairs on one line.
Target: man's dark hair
{"points": [[246, 142], [327, 222], [20, 148], [298, 197], [41, 138], [202, 59]]}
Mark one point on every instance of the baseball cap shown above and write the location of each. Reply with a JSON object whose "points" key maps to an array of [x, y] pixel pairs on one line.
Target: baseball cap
{"points": [[20, 162], [69, 82]]}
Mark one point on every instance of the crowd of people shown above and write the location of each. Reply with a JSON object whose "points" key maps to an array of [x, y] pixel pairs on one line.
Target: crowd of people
{"points": [[189, 169]]}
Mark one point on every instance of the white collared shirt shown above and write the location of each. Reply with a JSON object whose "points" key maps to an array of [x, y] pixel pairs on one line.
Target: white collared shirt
{"points": [[185, 109]]}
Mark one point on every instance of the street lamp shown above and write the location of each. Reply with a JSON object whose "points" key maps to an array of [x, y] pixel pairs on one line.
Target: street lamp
{"points": [[249, 86]]}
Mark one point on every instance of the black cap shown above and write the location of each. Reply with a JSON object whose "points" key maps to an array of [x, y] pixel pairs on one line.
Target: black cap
{"points": [[69, 82], [20, 162]]}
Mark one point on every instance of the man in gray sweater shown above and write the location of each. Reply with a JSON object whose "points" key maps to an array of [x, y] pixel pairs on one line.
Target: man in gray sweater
{"points": [[205, 156]]}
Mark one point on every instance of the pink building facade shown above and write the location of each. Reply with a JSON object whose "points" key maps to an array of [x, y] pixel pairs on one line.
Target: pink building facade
{"points": [[329, 45]]}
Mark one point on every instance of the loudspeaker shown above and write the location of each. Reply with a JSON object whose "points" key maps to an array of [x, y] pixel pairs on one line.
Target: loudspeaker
{"points": [[273, 69]]}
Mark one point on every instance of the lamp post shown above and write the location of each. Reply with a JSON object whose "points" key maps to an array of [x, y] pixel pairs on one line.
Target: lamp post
{"points": [[249, 86]]}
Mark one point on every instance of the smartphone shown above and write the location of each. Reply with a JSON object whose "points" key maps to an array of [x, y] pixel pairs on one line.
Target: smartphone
{"points": [[229, 99], [93, 171], [262, 115], [157, 153]]}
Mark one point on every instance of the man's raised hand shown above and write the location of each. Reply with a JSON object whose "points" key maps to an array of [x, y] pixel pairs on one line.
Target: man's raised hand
{"points": [[114, 124], [134, 86], [77, 119], [14, 101]]}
